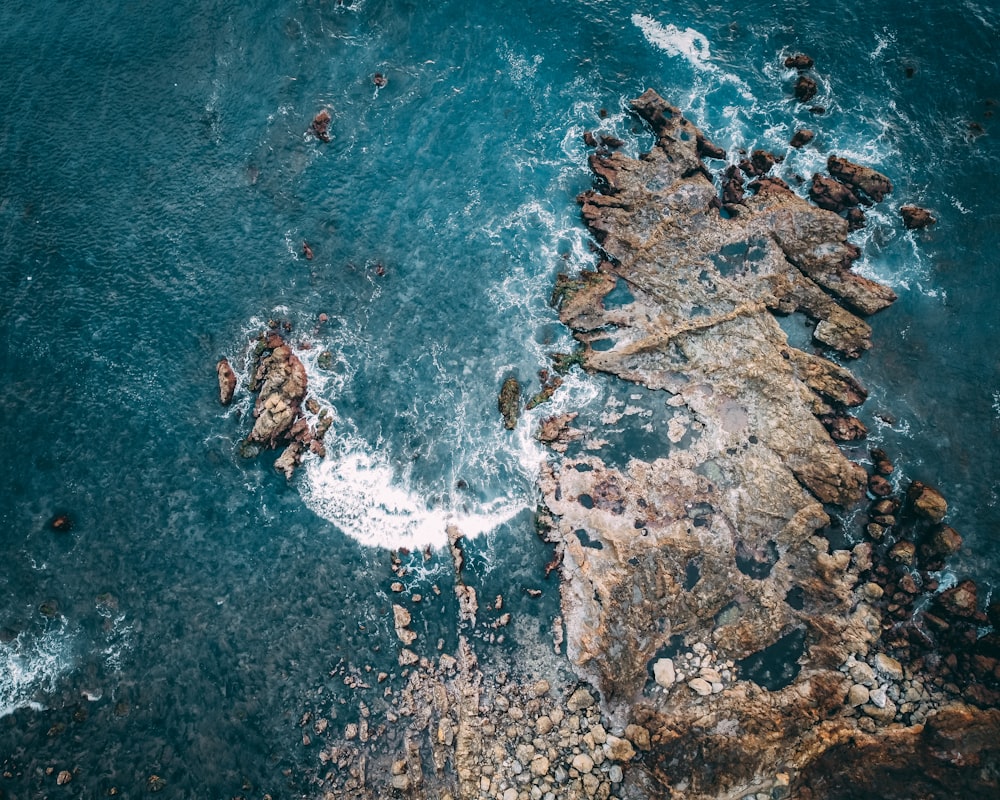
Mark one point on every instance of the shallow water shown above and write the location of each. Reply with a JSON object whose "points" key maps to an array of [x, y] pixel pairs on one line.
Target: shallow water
{"points": [[156, 185]]}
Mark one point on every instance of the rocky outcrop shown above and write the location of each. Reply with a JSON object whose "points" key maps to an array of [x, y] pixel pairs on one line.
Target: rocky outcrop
{"points": [[802, 137], [320, 126], [860, 178], [283, 417], [708, 557]]}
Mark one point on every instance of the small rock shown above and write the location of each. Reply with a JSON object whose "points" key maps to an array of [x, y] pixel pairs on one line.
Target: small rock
{"points": [[227, 381], [799, 61], [904, 552], [805, 89], [539, 766], [618, 749], [579, 700], [583, 763], [638, 735], [700, 686], [616, 774], [64, 777], [888, 666], [857, 695], [663, 672]]}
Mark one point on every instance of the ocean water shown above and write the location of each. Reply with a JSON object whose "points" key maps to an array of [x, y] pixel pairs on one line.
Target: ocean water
{"points": [[157, 182]]}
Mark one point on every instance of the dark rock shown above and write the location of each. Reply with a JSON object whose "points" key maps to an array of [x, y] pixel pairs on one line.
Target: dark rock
{"points": [[915, 217], [805, 89], [732, 186], [879, 486], [945, 541], [509, 402], [888, 505], [321, 126], [862, 179], [831, 194], [960, 600], [904, 552], [380, 80], [589, 139], [612, 142], [844, 428], [799, 61], [227, 381], [802, 137], [817, 110], [855, 219]]}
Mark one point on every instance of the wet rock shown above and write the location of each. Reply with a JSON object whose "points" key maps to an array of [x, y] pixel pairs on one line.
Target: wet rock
{"points": [[589, 139], [888, 666], [915, 217], [856, 219], [805, 89], [280, 379], [509, 402], [904, 552], [802, 137], [844, 428], [227, 381], [799, 61], [960, 600], [944, 541], [927, 501], [320, 126], [831, 194], [862, 179], [879, 486], [732, 188]]}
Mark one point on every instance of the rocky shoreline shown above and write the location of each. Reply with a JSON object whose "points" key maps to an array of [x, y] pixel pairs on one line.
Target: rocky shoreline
{"points": [[720, 646]]}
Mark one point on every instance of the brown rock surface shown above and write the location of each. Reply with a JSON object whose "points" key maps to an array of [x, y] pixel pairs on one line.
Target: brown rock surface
{"points": [[227, 381], [863, 179]]}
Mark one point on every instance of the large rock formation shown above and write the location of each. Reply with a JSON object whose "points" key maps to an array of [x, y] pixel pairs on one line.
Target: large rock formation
{"points": [[710, 557]]}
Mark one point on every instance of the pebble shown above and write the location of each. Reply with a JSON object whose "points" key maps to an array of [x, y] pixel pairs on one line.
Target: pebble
{"points": [[888, 666], [663, 672], [857, 695], [579, 700], [540, 766], [615, 774], [583, 763], [701, 686]]}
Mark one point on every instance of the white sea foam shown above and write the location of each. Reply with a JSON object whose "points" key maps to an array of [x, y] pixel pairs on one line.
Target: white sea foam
{"points": [[688, 43], [365, 497], [31, 666]]}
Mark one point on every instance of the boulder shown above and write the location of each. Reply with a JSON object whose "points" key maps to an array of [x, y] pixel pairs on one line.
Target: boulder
{"points": [[509, 402], [860, 178], [831, 194], [915, 217], [802, 137], [927, 501], [799, 61], [227, 381], [805, 89]]}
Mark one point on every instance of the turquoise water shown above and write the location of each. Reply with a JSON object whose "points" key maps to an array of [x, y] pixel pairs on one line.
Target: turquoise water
{"points": [[156, 185]]}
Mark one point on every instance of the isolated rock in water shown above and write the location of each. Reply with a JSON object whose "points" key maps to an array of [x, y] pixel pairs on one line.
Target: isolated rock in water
{"points": [[321, 126], [509, 402], [799, 61], [227, 381], [805, 89], [280, 379], [862, 179], [802, 137], [915, 217]]}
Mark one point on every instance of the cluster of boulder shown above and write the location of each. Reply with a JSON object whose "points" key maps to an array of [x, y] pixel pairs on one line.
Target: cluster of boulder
{"points": [[279, 380], [933, 628]]}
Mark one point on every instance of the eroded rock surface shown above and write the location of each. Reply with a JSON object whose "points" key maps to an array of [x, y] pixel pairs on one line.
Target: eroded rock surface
{"points": [[710, 556]]}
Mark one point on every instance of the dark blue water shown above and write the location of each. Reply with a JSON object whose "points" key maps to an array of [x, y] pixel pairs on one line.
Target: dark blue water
{"points": [[156, 184]]}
